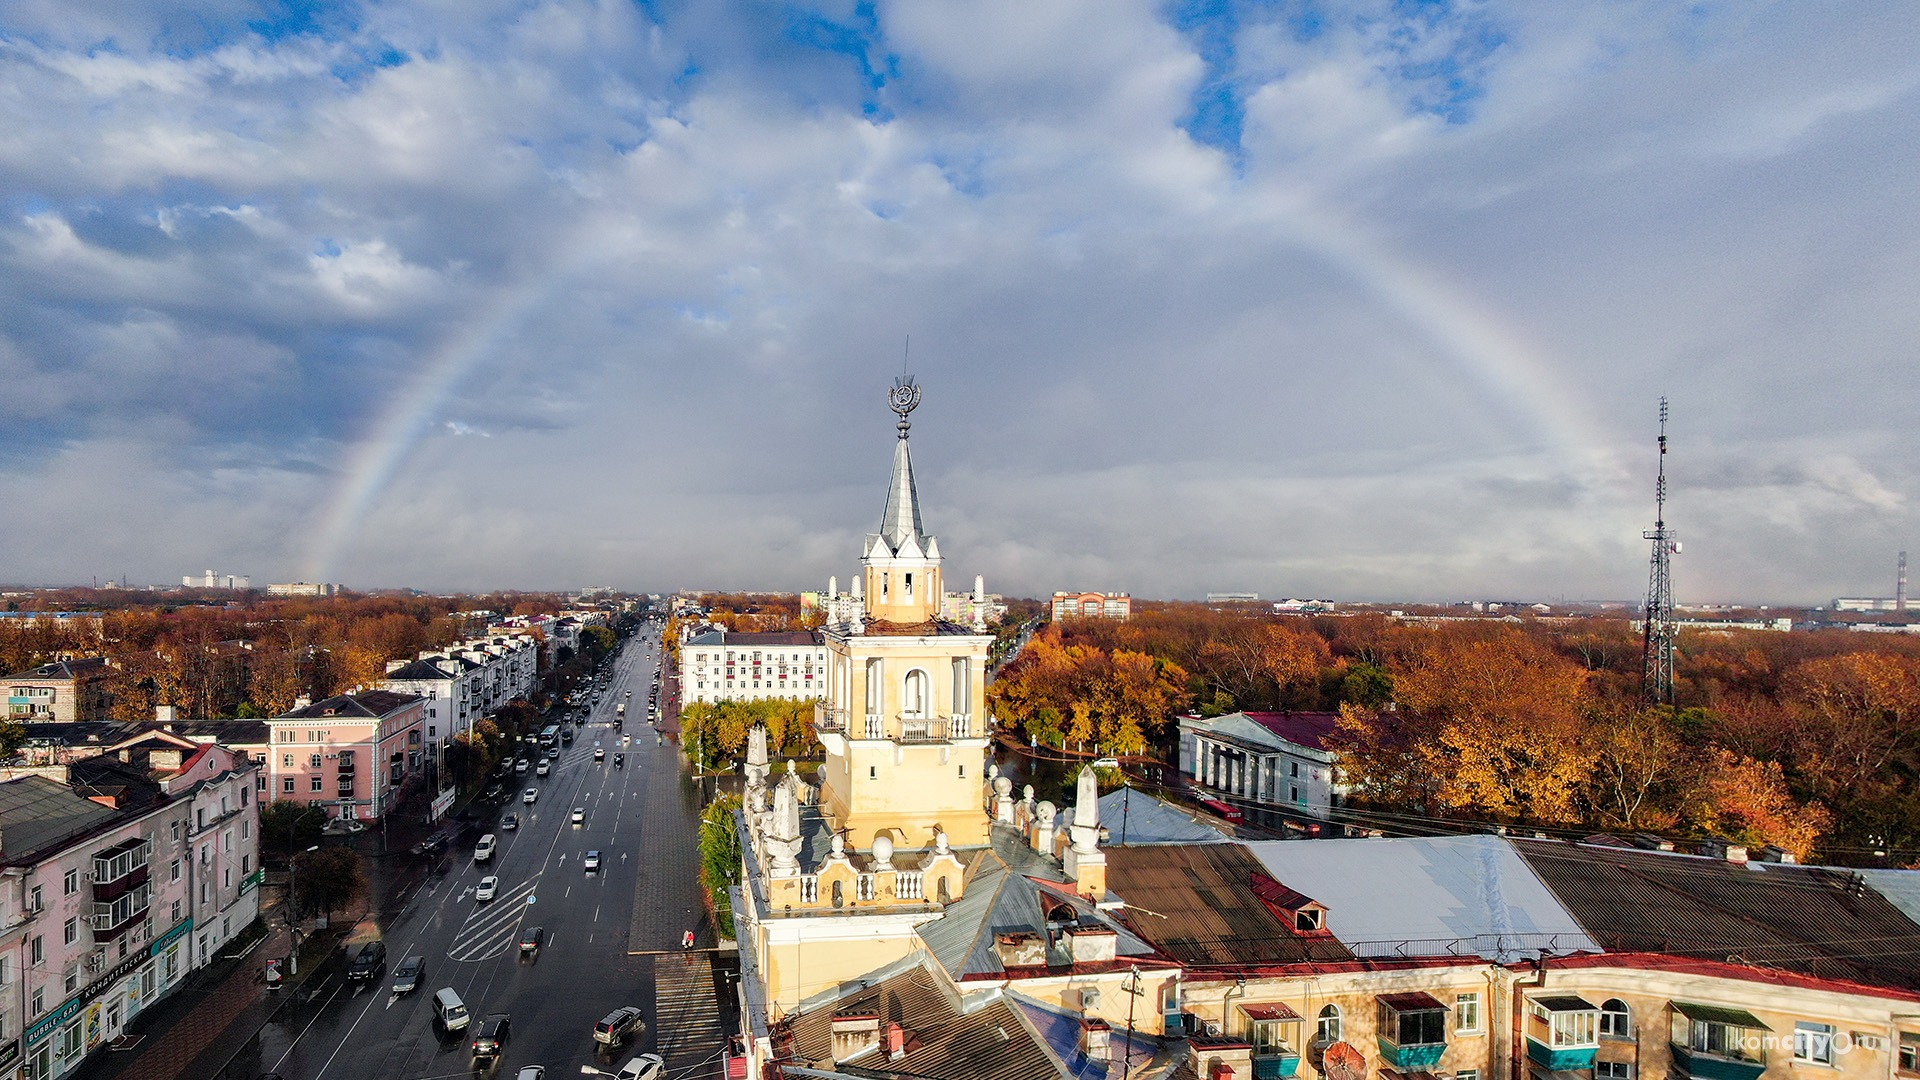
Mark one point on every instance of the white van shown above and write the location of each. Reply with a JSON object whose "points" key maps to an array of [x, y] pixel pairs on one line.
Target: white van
{"points": [[483, 851], [449, 1009]]}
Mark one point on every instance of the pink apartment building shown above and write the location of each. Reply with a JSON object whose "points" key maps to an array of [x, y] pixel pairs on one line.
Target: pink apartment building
{"points": [[351, 753]]}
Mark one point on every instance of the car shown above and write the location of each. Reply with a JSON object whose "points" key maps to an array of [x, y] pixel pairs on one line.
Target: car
{"points": [[520, 767], [619, 761], [625, 739], [345, 825], [643, 1067], [592, 862], [616, 1026], [510, 823], [494, 791], [406, 977], [579, 815], [531, 939], [545, 767], [495, 1032], [368, 963], [530, 795], [629, 693], [531, 1072], [488, 888], [483, 851], [599, 753]]}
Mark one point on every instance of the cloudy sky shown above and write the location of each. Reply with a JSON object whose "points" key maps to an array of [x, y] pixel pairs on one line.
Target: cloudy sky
{"points": [[1362, 300]]}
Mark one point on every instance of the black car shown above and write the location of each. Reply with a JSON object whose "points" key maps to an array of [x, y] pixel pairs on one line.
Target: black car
{"points": [[368, 963], [495, 1031], [510, 823], [619, 760], [530, 940], [494, 791], [406, 977]]}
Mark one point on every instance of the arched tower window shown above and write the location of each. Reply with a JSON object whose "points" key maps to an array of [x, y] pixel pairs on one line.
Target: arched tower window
{"points": [[915, 694], [876, 688], [962, 686]]}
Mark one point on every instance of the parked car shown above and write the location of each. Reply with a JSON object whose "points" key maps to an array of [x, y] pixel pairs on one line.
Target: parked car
{"points": [[643, 1067], [579, 815], [495, 1032], [510, 823], [368, 963], [616, 1026], [591, 864], [530, 940], [406, 977], [530, 796], [531, 1072], [483, 851], [488, 888]]}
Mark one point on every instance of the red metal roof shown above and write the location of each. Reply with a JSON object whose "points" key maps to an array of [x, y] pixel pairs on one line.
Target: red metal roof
{"points": [[1412, 1001], [1308, 729], [1274, 1010]]}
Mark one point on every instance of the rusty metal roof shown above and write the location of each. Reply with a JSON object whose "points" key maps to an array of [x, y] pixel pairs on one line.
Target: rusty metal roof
{"points": [[1197, 905], [1818, 921]]}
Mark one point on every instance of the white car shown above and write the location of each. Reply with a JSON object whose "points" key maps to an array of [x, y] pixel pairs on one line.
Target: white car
{"points": [[542, 769], [643, 1067], [579, 815], [531, 795], [532, 1072], [489, 886], [592, 862], [483, 851]]}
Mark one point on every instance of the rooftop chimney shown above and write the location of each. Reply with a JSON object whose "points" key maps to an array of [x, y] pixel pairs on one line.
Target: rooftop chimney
{"points": [[1096, 1038], [165, 714]]}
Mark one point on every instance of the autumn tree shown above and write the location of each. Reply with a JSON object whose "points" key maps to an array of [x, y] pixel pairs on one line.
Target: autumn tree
{"points": [[1749, 801]]}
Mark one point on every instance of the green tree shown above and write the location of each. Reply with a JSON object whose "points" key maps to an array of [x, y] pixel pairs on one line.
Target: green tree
{"points": [[286, 827], [328, 878], [720, 857], [13, 735]]}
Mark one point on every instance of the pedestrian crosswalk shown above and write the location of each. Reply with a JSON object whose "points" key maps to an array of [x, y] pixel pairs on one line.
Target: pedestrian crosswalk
{"points": [[491, 929], [687, 1015]]}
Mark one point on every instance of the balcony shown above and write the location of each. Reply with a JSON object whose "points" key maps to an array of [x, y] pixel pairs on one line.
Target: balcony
{"points": [[876, 726], [1412, 1031], [832, 720], [120, 869], [1563, 1033], [1701, 1065], [1711, 1042], [112, 918], [1276, 1066]]}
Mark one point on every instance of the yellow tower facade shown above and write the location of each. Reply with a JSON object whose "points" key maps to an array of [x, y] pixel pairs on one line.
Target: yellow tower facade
{"points": [[905, 719]]}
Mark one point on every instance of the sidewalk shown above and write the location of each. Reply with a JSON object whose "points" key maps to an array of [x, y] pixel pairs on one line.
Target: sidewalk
{"points": [[197, 1028]]}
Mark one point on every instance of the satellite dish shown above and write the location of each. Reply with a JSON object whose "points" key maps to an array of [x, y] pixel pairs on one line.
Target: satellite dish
{"points": [[1343, 1062]]}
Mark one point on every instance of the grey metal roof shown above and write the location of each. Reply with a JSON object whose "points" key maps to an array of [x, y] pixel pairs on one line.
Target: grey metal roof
{"points": [[1428, 896], [419, 671], [900, 521], [996, 899], [1134, 818], [1058, 1031], [37, 814], [1900, 887]]}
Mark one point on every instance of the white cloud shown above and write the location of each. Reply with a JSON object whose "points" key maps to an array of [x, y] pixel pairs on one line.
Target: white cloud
{"points": [[666, 270]]}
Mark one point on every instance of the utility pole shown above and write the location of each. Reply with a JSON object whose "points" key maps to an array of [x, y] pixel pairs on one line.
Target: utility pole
{"points": [[1657, 648]]}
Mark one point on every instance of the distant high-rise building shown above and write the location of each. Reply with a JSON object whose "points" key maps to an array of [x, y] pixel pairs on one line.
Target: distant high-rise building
{"points": [[214, 579]]}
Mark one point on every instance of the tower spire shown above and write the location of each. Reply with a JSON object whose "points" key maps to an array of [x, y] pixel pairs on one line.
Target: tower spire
{"points": [[1657, 649], [900, 520]]}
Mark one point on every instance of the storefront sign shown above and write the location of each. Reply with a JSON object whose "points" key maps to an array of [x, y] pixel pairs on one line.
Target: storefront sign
{"points": [[67, 1010], [252, 881], [160, 943], [9, 1054]]}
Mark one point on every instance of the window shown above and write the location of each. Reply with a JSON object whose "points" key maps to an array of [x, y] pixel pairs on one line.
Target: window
{"points": [[176, 911], [1612, 1070], [314, 784], [1329, 1032], [1909, 1048], [313, 761], [37, 951], [1466, 1014], [873, 772], [1616, 1020], [174, 870], [1813, 1043], [1717, 1036], [1296, 769], [1569, 1028], [202, 822], [286, 785], [1269, 1039], [176, 828], [70, 979], [71, 884], [70, 930], [914, 694], [37, 1004], [36, 899]]}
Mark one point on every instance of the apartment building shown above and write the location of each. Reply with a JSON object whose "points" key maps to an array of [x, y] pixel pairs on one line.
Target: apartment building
{"points": [[63, 691], [351, 754], [717, 664], [116, 882]]}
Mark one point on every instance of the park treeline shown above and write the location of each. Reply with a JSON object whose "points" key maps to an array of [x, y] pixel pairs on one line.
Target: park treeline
{"points": [[1805, 740]]}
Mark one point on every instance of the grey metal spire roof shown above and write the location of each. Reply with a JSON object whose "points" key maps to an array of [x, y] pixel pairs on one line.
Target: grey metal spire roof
{"points": [[901, 520]]}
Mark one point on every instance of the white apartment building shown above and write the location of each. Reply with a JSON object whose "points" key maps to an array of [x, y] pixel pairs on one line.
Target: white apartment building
{"points": [[466, 681], [108, 902], [719, 665]]}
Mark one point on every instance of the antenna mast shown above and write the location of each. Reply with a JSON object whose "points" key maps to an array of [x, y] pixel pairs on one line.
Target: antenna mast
{"points": [[1900, 586], [1657, 651]]}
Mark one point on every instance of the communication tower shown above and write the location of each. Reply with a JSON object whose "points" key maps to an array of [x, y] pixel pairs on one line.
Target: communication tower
{"points": [[1657, 651], [1900, 585]]}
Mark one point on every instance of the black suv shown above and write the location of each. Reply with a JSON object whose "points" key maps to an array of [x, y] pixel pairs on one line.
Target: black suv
{"points": [[368, 963], [494, 1033]]}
